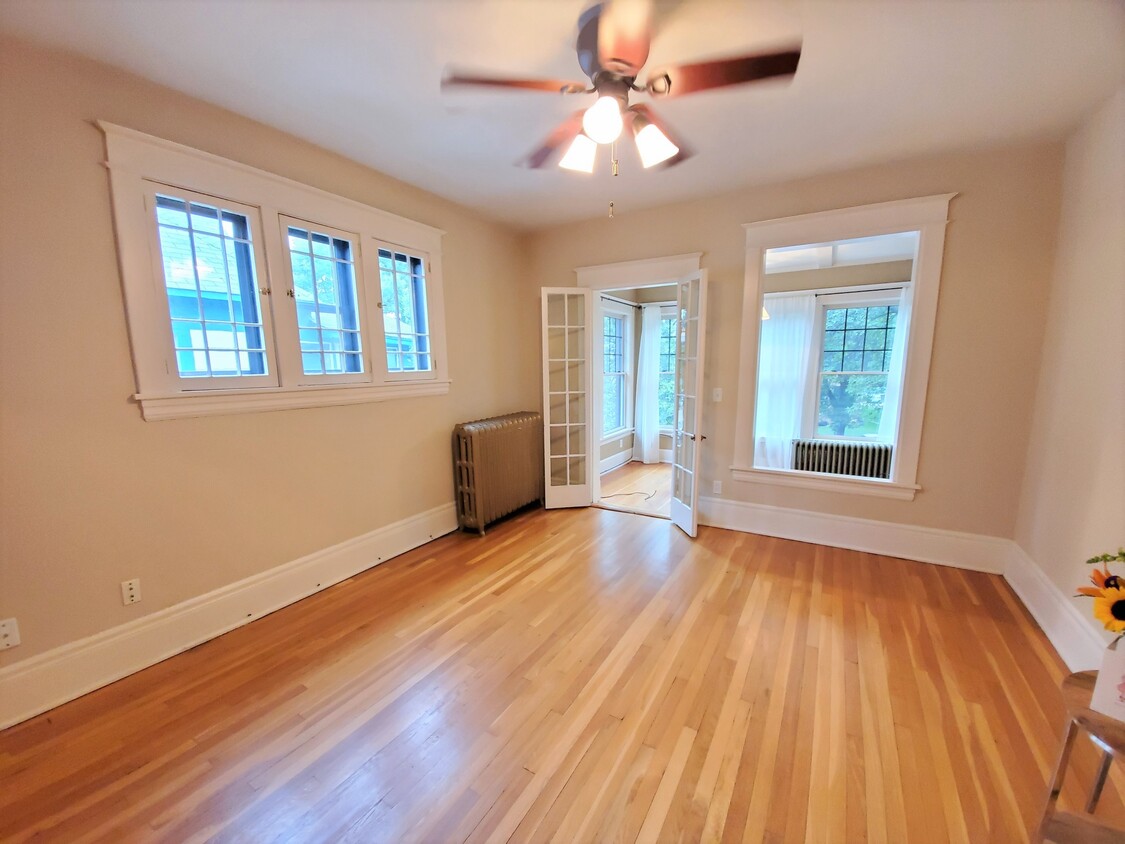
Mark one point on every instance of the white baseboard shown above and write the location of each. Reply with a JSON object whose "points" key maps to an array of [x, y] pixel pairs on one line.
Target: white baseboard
{"points": [[47, 680], [1073, 634], [927, 545], [615, 460]]}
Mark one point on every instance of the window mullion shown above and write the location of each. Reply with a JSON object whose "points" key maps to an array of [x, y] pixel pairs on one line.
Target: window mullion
{"points": [[282, 302]]}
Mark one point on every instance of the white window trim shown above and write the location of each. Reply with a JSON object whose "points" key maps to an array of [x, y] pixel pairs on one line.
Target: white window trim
{"points": [[926, 215], [136, 160], [627, 314]]}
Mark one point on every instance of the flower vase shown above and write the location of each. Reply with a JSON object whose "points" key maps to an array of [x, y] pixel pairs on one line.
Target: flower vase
{"points": [[1109, 689]]}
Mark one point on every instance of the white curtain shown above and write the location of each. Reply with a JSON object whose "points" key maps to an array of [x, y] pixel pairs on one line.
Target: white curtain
{"points": [[783, 369], [646, 414], [888, 421]]}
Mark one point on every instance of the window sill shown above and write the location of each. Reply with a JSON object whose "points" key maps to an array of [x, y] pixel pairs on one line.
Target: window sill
{"points": [[226, 402], [607, 439], [824, 483]]}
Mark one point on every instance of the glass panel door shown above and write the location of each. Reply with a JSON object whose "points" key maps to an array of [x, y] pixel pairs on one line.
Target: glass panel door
{"points": [[567, 317], [687, 436]]}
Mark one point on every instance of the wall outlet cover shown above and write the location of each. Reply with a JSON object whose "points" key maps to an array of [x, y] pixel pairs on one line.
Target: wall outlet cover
{"points": [[9, 633]]}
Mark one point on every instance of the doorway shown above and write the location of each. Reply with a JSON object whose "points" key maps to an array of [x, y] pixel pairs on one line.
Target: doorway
{"points": [[637, 360], [573, 338]]}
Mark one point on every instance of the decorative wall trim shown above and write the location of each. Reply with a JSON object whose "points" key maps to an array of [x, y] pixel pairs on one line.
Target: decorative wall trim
{"points": [[1073, 634], [927, 545], [47, 680], [223, 402], [645, 272]]}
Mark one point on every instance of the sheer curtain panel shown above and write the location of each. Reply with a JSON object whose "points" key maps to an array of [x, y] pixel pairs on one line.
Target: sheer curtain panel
{"points": [[783, 370], [646, 438]]}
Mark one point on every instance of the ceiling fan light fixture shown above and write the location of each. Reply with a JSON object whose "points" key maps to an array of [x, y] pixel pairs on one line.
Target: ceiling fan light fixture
{"points": [[602, 121], [580, 155], [653, 145]]}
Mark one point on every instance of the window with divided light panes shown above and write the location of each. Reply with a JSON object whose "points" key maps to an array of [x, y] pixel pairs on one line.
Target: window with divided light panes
{"points": [[245, 292], [666, 388], [566, 388], [207, 256], [855, 361], [324, 289], [614, 376], [402, 279]]}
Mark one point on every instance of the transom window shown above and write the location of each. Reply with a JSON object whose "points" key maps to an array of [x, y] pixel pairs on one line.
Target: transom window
{"points": [[614, 373]]}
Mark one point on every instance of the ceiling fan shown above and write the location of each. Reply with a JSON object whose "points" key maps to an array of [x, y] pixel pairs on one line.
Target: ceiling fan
{"points": [[613, 45]]}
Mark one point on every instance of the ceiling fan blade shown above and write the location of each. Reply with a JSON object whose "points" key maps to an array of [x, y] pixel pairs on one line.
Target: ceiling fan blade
{"points": [[702, 76], [624, 35], [647, 114], [562, 135], [456, 79]]}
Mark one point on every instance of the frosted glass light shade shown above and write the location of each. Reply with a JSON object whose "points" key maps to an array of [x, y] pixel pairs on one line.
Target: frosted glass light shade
{"points": [[580, 155], [602, 121], [654, 146]]}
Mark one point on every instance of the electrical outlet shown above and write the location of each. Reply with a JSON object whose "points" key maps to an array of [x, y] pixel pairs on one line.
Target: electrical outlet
{"points": [[621, 443], [130, 591], [717, 487], [9, 633], [717, 394]]}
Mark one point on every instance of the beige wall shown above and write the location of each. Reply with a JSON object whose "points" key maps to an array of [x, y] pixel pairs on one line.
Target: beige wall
{"points": [[1073, 504], [91, 494], [885, 272], [998, 257]]}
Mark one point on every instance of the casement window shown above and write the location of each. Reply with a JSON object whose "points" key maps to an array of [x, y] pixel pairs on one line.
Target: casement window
{"points": [[617, 382], [246, 291], [667, 368]]}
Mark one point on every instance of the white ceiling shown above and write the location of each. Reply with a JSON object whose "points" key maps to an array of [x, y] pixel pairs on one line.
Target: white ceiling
{"points": [[879, 80]]}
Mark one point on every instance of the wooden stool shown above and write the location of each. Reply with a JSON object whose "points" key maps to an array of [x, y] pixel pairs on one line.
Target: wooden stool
{"points": [[1106, 732]]}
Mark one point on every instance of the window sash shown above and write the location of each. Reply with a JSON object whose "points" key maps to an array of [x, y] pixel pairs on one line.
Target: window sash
{"points": [[407, 343], [203, 341], [615, 369], [308, 341], [815, 384]]}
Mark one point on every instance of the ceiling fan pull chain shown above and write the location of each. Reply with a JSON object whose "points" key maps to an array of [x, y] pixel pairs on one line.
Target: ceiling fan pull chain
{"points": [[611, 209], [613, 156]]}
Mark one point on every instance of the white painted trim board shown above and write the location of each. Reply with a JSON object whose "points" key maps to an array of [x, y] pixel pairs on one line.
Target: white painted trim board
{"points": [[50, 679]]}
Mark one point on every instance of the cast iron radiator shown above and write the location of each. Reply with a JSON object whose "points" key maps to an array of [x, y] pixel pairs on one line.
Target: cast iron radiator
{"points": [[497, 467]]}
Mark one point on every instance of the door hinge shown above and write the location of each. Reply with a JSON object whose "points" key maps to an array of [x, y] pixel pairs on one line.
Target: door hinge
{"points": [[290, 294], [265, 291]]}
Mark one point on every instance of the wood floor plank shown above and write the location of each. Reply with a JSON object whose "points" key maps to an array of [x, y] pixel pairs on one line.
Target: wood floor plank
{"points": [[580, 675]]}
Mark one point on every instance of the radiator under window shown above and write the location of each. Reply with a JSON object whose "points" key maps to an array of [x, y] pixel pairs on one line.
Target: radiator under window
{"points": [[863, 460]]}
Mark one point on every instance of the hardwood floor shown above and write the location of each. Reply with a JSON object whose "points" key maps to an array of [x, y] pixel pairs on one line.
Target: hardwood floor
{"points": [[580, 675], [639, 488]]}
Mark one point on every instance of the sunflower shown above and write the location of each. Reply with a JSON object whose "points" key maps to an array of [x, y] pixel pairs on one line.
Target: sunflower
{"points": [[1102, 580], [1109, 609]]}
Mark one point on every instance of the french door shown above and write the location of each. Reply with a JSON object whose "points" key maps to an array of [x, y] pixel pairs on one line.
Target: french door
{"points": [[568, 342], [687, 435], [568, 405]]}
